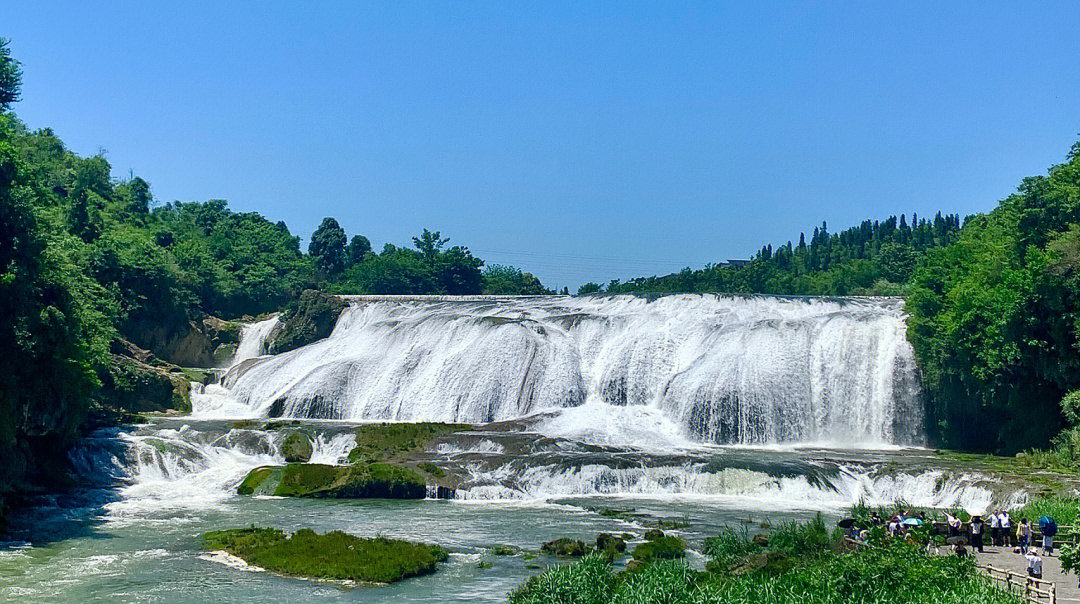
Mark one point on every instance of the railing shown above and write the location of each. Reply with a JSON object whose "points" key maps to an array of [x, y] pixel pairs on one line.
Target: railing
{"points": [[1066, 533], [1035, 591]]}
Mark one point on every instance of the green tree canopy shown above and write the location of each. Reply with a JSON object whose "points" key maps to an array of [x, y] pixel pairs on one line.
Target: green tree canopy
{"points": [[327, 246]]}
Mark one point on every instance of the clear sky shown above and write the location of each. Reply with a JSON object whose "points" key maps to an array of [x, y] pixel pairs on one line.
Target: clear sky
{"points": [[579, 142]]}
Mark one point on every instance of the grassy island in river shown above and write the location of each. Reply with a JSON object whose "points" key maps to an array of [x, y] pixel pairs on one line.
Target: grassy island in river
{"points": [[335, 555]]}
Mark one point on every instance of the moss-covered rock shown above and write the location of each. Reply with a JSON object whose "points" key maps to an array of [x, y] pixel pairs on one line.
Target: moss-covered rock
{"points": [[654, 534], [610, 544], [296, 447], [565, 547], [431, 469], [335, 555], [308, 319], [662, 548], [382, 442], [133, 386], [358, 481]]}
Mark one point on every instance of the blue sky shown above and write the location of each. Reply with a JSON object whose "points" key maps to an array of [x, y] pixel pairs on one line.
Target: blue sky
{"points": [[578, 142]]}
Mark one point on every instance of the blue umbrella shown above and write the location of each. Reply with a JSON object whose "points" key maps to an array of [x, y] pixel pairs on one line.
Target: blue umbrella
{"points": [[912, 522]]}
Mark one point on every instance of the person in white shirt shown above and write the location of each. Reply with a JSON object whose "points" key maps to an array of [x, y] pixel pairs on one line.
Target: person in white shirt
{"points": [[995, 529], [1006, 528], [1034, 564]]}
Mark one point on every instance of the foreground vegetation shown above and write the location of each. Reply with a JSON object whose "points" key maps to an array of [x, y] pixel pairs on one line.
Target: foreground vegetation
{"points": [[335, 555], [797, 564]]}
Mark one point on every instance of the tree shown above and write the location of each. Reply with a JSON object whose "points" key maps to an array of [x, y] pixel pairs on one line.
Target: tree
{"points": [[510, 280], [140, 196], [457, 272], [430, 244], [327, 246], [359, 247], [896, 261], [10, 76]]}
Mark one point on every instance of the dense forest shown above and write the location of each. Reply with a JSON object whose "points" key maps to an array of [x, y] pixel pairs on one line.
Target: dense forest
{"points": [[104, 290], [874, 259]]}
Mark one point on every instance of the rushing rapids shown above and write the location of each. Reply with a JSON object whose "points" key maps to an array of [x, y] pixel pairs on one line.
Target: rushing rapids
{"points": [[706, 368], [176, 464]]}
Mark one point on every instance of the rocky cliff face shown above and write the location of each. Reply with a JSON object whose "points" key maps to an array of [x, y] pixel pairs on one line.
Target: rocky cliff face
{"points": [[208, 342], [139, 382]]}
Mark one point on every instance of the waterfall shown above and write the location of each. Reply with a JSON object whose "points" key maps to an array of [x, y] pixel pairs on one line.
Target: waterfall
{"points": [[253, 339], [619, 369]]}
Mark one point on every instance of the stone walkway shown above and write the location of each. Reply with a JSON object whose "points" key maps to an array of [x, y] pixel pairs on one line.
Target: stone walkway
{"points": [[1002, 557]]}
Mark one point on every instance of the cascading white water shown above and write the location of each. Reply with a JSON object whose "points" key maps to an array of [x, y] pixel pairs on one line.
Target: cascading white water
{"points": [[848, 486], [743, 369], [253, 339], [169, 469]]}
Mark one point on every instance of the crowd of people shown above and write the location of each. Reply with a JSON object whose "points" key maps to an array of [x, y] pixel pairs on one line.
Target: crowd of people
{"points": [[996, 527]]}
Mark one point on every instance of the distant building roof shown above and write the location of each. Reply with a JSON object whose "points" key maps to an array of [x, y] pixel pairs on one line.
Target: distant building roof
{"points": [[737, 262]]}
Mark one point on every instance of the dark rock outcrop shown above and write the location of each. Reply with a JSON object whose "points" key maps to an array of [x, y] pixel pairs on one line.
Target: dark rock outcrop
{"points": [[306, 320]]}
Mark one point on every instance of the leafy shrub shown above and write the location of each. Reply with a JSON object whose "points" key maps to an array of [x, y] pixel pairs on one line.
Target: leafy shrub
{"points": [[894, 574]]}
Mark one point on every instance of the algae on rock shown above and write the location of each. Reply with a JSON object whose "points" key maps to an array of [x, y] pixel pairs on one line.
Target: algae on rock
{"points": [[359, 481], [296, 447]]}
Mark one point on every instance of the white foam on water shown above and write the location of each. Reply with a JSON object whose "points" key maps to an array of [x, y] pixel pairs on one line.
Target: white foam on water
{"points": [[626, 370], [171, 473], [212, 401], [332, 451], [235, 562], [480, 447], [692, 481]]}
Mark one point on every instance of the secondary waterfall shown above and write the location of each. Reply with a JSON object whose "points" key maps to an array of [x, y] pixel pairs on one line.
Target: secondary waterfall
{"points": [[704, 368]]}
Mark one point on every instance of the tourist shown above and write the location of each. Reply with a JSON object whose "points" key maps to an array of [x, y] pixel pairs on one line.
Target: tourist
{"points": [[976, 530], [995, 529], [1034, 564], [1048, 528], [954, 524], [1006, 528], [959, 549], [1023, 534]]}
